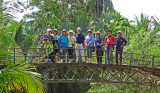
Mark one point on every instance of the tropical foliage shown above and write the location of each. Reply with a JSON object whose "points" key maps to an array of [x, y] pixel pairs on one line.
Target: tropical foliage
{"points": [[20, 78], [142, 34]]}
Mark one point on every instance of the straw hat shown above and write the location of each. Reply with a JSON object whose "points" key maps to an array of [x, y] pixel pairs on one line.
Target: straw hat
{"points": [[89, 30], [64, 30], [71, 31], [98, 32]]}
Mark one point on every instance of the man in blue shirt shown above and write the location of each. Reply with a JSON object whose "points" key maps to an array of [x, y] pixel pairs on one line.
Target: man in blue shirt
{"points": [[120, 43], [80, 44]]}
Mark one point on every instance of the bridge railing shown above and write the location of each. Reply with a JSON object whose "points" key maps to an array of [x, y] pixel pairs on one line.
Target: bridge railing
{"points": [[42, 55]]}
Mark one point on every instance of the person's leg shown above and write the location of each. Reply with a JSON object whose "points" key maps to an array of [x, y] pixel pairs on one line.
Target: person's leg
{"points": [[108, 57], [77, 52], [82, 53], [65, 55], [46, 60], [97, 52], [70, 54], [61, 56], [51, 57], [90, 55], [100, 59], [117, 52], [121, 50], [111, 55], [88, 52]]}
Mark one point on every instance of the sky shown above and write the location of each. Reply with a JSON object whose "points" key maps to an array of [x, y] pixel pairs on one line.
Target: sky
{"points": [[130, 8]]}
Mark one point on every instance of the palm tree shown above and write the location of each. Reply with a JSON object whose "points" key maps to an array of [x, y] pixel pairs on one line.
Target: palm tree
{"points": [[20, 78], [143, 22]]}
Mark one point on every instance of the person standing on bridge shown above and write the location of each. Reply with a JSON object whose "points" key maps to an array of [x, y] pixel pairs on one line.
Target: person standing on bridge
{"points": [[89, 40], [47, 41], [80, 44], [109, 41], [63, 42], [98, 43], [71, 44], [55, 42], [120, 43]]}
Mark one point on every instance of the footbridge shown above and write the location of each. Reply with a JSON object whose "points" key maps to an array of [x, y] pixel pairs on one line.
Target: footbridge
{"points": [[136, 69]]}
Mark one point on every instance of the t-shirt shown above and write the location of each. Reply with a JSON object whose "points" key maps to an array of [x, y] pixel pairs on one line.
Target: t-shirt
{"points": [[89, 40], [63, 41], [80, 38], [55, 37], [55, 40], [48, 38], [71, 40], [98, 41], [109, 40], [120, 41]]}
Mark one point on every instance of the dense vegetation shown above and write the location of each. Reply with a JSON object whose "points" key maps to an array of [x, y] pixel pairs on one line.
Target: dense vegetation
{"points": [[142, 34]]}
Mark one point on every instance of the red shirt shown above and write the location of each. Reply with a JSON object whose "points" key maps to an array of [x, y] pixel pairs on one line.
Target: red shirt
{"points": [[109, 40]]}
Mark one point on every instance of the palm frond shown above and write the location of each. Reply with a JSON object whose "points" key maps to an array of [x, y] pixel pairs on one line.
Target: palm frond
{"points": [[21, 78]]}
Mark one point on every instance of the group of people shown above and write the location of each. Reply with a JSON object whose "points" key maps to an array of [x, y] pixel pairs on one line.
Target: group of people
{"points": [[68, 42]]}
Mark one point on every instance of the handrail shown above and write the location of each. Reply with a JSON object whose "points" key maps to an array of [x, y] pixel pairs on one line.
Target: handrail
{"points": [[39, 55]]}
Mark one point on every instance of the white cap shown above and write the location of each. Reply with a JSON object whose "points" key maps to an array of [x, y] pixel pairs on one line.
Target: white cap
{"points": [[78, 28], [119, 32]]}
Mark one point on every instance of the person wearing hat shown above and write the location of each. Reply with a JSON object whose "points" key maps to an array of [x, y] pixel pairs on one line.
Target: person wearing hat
{"points": [[63, 42], [109, 41], [47, 41], [71, 45], [120, 43], [98, 43], [80, 44], [55, 42], [89, 40]]}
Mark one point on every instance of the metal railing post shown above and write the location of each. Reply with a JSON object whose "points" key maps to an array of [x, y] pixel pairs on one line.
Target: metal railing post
{"points": [[106, 57], [131, 60], [48, 55], [14, 55], [153, 60], [79, 56]]}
